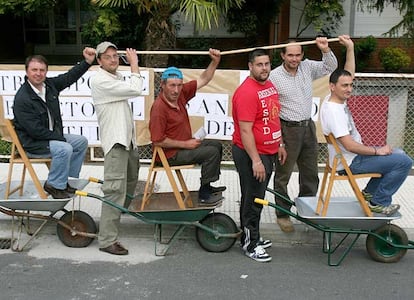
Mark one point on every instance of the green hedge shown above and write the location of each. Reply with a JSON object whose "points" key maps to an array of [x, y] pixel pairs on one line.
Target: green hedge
{"points": [[4, 148]]}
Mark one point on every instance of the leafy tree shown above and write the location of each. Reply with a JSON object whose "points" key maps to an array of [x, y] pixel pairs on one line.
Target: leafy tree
{"points": [[160, 31], [325, 16], [121, 26], [24, 6], [405, 7]]}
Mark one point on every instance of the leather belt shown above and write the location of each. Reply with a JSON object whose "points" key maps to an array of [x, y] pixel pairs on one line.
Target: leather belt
{"points": [[304, 123]]}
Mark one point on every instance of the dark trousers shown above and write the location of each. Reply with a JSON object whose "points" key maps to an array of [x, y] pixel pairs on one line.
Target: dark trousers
{"points": [[302, 149], [208, 155], [251, 188]]}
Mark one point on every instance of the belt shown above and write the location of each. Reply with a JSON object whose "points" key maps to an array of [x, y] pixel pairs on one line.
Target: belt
{"points": [[304, 123]]}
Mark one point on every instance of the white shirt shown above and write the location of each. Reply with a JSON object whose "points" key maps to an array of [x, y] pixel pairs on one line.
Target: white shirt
{"points": [[110, 95], [337, 119], [295, 91]]}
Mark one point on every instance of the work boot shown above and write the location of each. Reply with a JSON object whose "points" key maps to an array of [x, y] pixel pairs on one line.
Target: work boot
{"points": [[285, 224]]}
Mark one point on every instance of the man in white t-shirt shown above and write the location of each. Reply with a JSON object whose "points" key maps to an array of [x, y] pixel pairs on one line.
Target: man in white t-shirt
{"points": [[393, 164]]}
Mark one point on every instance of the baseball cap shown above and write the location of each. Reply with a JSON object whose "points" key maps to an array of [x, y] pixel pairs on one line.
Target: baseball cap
{"points": [[172, 72], [101, 48]]}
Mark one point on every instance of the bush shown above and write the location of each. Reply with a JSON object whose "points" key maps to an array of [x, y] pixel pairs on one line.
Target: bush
{"points": [[5, 148], [393, 59], [363, 51]]}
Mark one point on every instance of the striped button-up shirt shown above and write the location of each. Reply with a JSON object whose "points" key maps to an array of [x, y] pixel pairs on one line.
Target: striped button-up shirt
{"points": [[110, 95], [295, 91]]}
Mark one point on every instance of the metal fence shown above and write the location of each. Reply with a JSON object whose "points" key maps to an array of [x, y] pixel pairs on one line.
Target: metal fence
{"points": [[383, 108]]}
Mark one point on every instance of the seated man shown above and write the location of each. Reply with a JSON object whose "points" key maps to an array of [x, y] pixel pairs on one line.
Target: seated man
{"points": [[393, 164], [170, 127], [38, 122]]}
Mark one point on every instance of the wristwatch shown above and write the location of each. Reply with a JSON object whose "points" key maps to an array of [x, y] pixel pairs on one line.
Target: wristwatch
{"points": [[282, 145]]}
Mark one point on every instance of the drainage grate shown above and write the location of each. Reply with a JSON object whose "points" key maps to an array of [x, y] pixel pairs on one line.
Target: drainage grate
{"points": [[5, 243]]}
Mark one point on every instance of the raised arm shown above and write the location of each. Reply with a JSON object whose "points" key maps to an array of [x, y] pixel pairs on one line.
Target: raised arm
{"points": [[350, 53], [208, 73]]}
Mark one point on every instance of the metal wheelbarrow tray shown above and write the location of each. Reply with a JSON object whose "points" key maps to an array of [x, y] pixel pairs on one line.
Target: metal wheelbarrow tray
{"points": [[215, 232], [385, 242], [75, 227]]}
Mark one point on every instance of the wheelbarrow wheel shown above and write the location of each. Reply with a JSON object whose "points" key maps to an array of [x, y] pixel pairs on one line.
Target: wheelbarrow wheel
{"points": [[380, 250], [79, 221], [221, 223]]}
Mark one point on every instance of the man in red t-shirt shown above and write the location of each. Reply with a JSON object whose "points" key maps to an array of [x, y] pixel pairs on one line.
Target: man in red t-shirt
{"points": [[170, 128], [257, 138]]}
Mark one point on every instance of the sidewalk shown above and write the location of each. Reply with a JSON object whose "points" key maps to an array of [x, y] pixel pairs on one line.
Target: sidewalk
{"points": [[229, 178]]}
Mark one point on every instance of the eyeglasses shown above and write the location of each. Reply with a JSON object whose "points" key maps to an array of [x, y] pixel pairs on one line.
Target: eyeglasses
{"points": [[109, 57]]}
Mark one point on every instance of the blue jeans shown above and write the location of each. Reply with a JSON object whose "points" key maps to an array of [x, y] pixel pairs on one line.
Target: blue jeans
{"points": [[67, 158], [394, 169]]}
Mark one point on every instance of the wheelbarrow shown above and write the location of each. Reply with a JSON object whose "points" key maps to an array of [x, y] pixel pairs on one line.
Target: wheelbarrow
{"points": [[75, 228], [385, 242], [215, 232]]}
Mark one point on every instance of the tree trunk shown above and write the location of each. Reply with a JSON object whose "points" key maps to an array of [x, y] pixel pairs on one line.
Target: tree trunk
{"points": [[160, 35]]}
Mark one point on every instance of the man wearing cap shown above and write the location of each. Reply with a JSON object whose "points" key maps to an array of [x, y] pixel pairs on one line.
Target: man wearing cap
{"points": [[170, 127], [38, 122], [110, 94]]}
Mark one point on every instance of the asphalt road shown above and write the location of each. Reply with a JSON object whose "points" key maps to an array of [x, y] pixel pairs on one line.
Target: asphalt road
{"points": [[297, 271]]}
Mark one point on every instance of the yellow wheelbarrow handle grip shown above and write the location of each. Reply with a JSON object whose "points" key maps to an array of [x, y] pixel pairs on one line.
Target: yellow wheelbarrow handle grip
{"points": [[261, 201], [81, 193], [96, 180]]}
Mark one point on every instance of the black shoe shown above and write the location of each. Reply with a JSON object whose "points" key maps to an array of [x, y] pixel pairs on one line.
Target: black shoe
{"points": [[217, 189], [208, 202], [70, 189], [207, 199], [55, 193]]}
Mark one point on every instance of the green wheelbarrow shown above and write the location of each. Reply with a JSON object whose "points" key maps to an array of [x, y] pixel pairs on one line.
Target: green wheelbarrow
{"points": [[215, 231], [385, 242]]}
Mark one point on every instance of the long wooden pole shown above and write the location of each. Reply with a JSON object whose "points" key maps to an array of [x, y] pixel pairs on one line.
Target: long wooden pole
{"points": [[179, 52]]}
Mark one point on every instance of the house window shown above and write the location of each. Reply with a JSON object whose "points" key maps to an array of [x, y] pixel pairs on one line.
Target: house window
{"points": [[59, 26]]}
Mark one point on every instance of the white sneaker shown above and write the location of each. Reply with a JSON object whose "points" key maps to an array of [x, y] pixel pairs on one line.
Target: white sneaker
{"points": [[264, 243], [259, 254]]}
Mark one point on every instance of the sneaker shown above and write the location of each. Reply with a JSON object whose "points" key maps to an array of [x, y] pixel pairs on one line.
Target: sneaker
{"points": [[264, 243], [259, 254], [367, 196], [386, 210]]}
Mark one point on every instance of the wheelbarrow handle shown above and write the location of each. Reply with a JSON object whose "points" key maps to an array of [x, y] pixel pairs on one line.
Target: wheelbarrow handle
{"points": [[100, 181], [108, 202], [81, 193], [96, 180], [261, 201]]}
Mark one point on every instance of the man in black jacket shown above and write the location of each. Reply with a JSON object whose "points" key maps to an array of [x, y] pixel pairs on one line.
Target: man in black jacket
{"points": [[38, 122]]}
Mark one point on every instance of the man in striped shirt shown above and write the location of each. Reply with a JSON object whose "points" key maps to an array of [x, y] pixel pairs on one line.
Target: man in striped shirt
{"points": [[293, 80]]}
